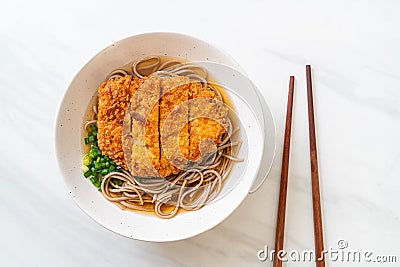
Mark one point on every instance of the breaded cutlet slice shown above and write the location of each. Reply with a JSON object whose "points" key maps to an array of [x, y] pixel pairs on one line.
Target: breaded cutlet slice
{"points": [[144, 110], [114, 97], [208, 120], [173, 125]]}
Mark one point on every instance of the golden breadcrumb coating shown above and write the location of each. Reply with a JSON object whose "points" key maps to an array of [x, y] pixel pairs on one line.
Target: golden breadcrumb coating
{"points": [[208, 120], [144, 112], [114, 98], [167, 121], [174, 131]]}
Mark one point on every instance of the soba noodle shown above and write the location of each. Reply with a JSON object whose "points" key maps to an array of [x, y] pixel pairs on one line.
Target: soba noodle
{"points": [[192, 188]]}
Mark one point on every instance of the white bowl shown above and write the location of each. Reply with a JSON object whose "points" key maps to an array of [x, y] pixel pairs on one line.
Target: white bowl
{"points": [[257, 125]]}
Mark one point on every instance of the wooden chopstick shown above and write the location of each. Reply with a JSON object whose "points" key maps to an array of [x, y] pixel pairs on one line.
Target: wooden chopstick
{"points": [[316, 197], [280, 229], [318, 232]]}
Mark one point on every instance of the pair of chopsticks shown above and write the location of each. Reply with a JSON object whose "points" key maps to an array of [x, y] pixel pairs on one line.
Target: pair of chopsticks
{"points": [[280, 229]]}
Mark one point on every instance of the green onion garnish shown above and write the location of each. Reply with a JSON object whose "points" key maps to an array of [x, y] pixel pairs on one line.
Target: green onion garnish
{"points": [[95, 164]]}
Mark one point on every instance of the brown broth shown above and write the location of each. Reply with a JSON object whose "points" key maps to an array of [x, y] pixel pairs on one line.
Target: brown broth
{"points": [[89, 115]]}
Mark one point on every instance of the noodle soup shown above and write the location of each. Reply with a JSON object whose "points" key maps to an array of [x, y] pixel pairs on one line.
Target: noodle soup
{"points": [[128, 129]]}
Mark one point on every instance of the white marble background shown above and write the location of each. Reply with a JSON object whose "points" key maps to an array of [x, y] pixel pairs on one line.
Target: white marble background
{"points": [[353, 47]]}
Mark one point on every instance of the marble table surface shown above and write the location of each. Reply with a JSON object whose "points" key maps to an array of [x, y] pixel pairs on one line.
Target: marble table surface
{"points": [[353, 47]]}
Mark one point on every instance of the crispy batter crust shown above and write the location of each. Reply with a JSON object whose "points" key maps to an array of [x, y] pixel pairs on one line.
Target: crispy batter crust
{"points": [[165, 126], [114, 98], [174, 131], [208, 120], [144, 118]]}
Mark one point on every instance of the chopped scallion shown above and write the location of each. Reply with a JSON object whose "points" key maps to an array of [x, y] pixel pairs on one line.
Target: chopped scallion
{"points": [[86, 160], [87, 174], [95, 164]]}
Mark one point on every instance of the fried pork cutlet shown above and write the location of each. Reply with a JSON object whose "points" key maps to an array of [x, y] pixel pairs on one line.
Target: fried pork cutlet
{"points": [[155, 126], [114, 98]]}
